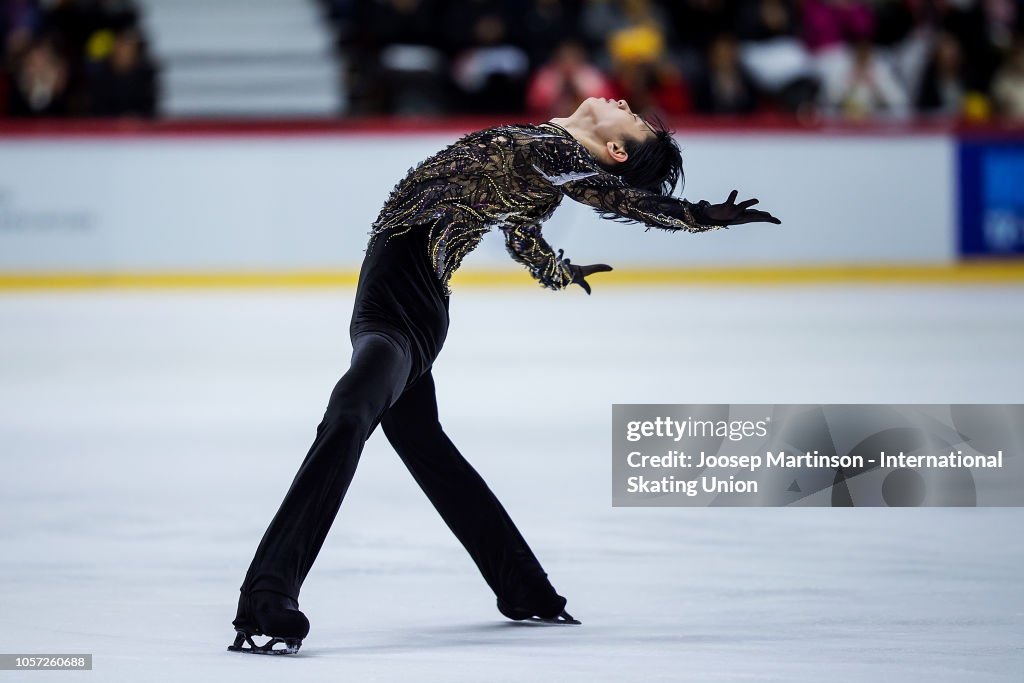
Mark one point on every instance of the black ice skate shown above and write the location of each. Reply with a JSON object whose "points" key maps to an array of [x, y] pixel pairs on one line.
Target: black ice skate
{"points": [[518, 614], [265, 613]]}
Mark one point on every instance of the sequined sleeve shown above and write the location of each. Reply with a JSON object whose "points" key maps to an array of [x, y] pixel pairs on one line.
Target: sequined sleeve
{"points": [[567, 165], [527, 246]]}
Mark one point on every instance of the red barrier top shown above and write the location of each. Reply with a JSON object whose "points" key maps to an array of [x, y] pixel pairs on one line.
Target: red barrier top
{"points": [[759, 125]]}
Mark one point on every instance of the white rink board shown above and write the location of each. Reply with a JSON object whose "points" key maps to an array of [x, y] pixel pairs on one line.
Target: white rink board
{"points": [[267, 203]]}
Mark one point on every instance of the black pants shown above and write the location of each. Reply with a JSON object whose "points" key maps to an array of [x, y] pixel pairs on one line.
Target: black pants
{"points": [[399, 324]]}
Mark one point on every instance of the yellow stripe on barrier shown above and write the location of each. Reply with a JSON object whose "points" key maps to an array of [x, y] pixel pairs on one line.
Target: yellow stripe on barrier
{"points": [[176, 280], [997, 272]]}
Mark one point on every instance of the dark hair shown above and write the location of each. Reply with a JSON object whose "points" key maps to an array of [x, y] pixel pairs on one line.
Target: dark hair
{"points": [[654, 164]]}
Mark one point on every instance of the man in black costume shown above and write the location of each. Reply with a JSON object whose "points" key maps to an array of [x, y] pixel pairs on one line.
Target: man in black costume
{"points": [[511, 177]]}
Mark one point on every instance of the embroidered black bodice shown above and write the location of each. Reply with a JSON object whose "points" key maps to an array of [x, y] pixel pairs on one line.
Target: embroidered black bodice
{"points": [[513, 177]]}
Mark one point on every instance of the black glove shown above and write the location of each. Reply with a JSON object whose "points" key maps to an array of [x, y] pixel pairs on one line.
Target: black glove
{"points": [[730, 213], [580, 272]]}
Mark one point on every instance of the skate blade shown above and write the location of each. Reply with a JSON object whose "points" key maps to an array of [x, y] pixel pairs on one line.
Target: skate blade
{"points": [[291, 645], [563, 619]]}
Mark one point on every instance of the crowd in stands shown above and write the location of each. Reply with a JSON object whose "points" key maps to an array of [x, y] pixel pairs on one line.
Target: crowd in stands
{"points": [[75, 58], [850, 59], [855, 59]]}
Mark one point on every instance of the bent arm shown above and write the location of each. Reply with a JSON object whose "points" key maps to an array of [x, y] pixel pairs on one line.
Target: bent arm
{"points": [[527, 245]]}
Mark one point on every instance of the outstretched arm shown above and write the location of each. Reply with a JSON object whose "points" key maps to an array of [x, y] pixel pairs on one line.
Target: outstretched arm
{"points": [[567, 166]]}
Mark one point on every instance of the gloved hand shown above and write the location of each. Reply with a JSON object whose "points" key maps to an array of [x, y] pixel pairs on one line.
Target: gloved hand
{"points": [[730, 213], [580, 272]]}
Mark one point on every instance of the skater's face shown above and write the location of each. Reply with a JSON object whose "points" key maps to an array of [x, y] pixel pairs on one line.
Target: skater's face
{"points": [[613, 124]]}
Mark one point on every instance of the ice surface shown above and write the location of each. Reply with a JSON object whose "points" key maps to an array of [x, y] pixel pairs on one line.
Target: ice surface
{"points": [[147, 438]]}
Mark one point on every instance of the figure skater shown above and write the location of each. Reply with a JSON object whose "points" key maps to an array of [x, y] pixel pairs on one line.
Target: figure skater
{"points": [[510, 177]]}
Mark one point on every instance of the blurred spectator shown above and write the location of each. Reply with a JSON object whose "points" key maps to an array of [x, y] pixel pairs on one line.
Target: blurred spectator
{"points": [[401, 68], [599, 19], [560, 85], [547, 24], [762, 20], [867, 87], [695, 23], [630, 23], [74, 22], [894, 20], [489, 70], [772, 53], [39, 86], [343, 15], [19, 20], [656, 87], [836, 23], [405, 22], [641, 68], [124, 84], [943, 88], [641, 39], [830, 27], [1001, 18], [725, 87], [968, 21], [904, 37], [1008, 85]]}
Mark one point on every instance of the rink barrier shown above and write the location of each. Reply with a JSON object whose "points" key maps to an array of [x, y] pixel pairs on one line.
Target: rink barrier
{"points": [[975, 273], [237, 204]]}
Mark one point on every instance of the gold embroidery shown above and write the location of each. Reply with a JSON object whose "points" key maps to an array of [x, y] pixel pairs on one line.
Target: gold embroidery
{"points": [[502, 177]]}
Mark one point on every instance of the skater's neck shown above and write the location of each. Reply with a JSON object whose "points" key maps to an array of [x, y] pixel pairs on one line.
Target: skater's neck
{"points": [[585, 135]]}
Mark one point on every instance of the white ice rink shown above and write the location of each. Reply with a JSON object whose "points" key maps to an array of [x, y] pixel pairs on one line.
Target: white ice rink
{"points": [[146, 439]]}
